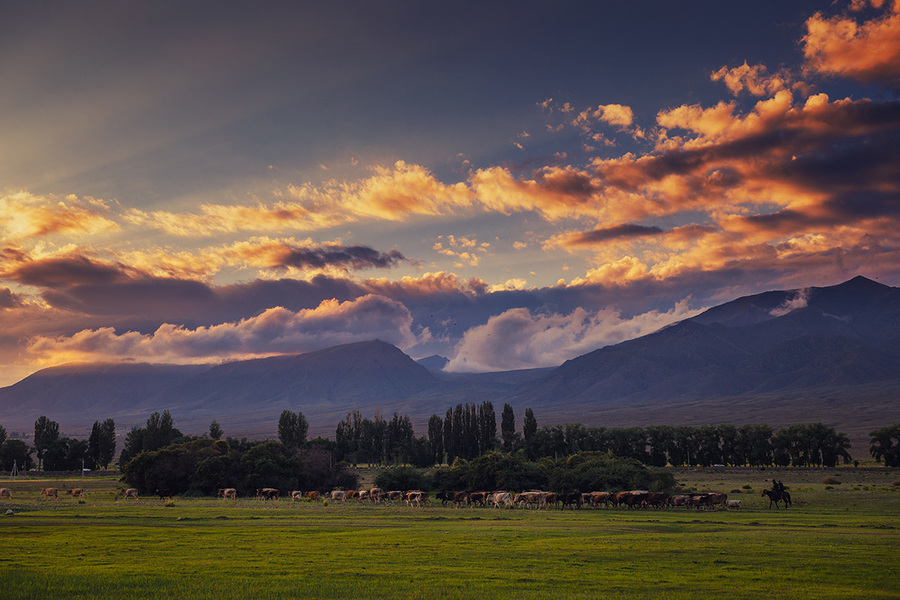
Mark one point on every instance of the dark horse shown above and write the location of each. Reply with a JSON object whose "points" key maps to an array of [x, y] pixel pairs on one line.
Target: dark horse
{"points": [[774, 500]]}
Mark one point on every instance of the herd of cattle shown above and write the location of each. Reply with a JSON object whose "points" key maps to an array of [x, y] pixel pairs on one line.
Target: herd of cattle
{"points": [[531, 499]]}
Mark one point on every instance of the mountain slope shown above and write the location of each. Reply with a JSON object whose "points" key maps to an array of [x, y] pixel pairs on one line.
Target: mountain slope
{"points": [[843, 335]]}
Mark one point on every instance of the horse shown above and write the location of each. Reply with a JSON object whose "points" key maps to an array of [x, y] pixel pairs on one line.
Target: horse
{"points": [[773, 500]]}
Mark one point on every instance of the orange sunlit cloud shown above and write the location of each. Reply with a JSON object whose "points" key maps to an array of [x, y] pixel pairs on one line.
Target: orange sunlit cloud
{"points": [[867, 51]]}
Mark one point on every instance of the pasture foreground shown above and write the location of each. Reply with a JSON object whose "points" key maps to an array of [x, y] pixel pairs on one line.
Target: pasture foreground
{"points": [[838, 541]]}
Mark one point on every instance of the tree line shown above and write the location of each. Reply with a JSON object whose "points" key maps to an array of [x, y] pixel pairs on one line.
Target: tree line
{"points": [[467, 431]]}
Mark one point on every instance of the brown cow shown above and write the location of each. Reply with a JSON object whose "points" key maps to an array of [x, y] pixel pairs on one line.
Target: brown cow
{"points": [[76, 492], [600, 498], [312, 496], [417, 498], [47, 492], [268, 493], [6, 493], [296, 495], [393, 496], [376, 495], [338, 496], [458, 499], [479, 498]]}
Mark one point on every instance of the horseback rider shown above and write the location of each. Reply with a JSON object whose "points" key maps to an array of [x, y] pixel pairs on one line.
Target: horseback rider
{"points": [[777, 490]]}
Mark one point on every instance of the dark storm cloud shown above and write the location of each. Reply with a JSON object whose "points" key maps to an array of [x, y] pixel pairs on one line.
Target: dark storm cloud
{"points": [[626, 231], [67, 271], [348, 257]]}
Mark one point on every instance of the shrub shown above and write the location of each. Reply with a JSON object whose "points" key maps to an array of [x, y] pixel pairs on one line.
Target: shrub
{"points": [[401, 478], [831, 481]]}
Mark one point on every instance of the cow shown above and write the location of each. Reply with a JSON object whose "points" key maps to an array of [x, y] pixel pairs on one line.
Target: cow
{"points": [[76, 492], [658, 499], [459, 499], [499, 499], [571, 500], [47, 492], [268, 493], [362, 495], [352, 494], [229, 493], [6, 493], [393, 496], [338, 496], [444, 497], [735, 504], [631, 499], [479, 498], [681, 500], [130, 493], [551, 499], [312, 496], [600, 498], [296, 496], [531, 499], [376, 495], [416, 498]]}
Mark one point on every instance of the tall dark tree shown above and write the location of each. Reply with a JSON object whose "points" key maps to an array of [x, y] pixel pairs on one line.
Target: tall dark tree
{"points": [[508, 428], [529, 426], [215, 430], [450, 447], [46, 434], [487, 428], [15, 452], [160, 431], [102, 443], [436, 438], [292, 429], [885, 444], [529, 432], [133, 445]]}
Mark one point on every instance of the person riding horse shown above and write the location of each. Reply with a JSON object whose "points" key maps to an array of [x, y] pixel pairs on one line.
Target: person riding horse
{"points": [[777, 490]]}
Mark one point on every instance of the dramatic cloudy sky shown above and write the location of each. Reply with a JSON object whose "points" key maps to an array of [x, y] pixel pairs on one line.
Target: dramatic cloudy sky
{"points": [[508, 184]]}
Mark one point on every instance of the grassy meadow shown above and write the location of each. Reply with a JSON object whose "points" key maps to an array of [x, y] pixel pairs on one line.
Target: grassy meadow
{"points": [[839, 540]]}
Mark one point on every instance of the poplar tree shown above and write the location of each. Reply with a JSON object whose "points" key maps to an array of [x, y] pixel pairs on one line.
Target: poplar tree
{"points": [[508, 427]]}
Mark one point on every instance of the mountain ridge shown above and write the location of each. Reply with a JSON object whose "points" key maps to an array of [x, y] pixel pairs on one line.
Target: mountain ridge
{"points": [[783, 349]]}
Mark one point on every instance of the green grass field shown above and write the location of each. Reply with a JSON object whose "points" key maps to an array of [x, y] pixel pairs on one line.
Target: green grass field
{"points": [[838, 541]]}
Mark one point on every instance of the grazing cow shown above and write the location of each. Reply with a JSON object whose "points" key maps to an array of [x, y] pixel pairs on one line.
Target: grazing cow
{"points": [[229, 493], [338, 496], [6, 493], [362, 495], [682, 500], [460, 499], [352, 494], [735, 504], [499, 499], [296, 495], [268, 493], [416, 498], [531, 499], [76, 492], [632, 499], [312, 496], [129, 493], [444, 497], [658, 500], [600, 498], [47, 492], [393, 496], [479, 498], [572, 500], [376, 495]]}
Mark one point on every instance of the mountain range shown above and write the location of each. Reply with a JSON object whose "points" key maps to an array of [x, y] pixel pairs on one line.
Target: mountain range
{"points": [[829, 354]]}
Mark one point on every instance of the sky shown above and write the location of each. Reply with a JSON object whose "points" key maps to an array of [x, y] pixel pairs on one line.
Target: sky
{"points": [[508, 185]]}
